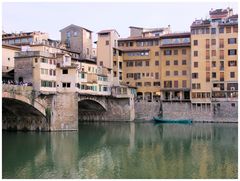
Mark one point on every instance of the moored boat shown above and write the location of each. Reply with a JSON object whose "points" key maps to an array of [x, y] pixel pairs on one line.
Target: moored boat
{"points": [[181, 121]]}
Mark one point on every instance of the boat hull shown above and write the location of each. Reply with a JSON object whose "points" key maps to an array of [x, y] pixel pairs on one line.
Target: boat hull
{"points": [[180, 121]]}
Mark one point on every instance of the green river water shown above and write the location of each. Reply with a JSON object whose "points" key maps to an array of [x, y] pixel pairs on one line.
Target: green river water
{"points": [[123, 150]]}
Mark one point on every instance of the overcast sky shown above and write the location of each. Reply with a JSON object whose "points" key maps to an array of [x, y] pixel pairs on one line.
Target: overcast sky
{"points": [[51, 17]]}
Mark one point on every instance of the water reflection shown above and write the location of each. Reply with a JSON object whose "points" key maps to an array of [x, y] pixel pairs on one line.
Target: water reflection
{"points": [[124, 150]]}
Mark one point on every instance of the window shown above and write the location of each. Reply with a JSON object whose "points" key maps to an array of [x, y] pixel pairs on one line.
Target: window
{"points": [[114, 74], [207, 43], [184, 72], [138, 63], [184, 62], [147, 84], [120, 65], [130, 64], [44, 60], [107, 42], [228, 29], [235, 29], [75, 33], [175, 52], [157, 63], [184, 83], [221, 30], [66, 84], [195, 53], [156, 53], [175, 62], [175, 84], [207, 54], [195, 42], [207, 31], [232, 74], [167, 52], [221, 43], [232, 63], [156, 83], [129, 75], [101, 63], [213, 41], [65, 71], [168, 62], [194, 75], [221, 56], [175, 73], [167, 84], [138, 84], [207, 76], [232, 52], [213, 53], [147, 63], [195, 64], [232, 40], [167, 73], [213, 30], [36, 60], [214, 75], [184, 51]]}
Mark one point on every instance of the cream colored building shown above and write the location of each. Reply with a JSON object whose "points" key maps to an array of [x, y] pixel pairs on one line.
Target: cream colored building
{"points": [[141, 60], [24, 38], [175, 66], [106, 46], [214, 57], [8, 53]]}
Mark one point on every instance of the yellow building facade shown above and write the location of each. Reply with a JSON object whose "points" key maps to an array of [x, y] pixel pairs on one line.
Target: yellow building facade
{"points": [[214, 57], [175, 66]]}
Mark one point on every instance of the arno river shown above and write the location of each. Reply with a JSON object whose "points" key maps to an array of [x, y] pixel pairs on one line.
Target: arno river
{"points": [[124, 150]]}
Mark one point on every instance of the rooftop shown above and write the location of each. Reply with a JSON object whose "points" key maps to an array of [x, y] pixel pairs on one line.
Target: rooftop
{"points": [[75, 26], [21, 34], [138, 38], [108, 31], [220, 11], [174, 35]]}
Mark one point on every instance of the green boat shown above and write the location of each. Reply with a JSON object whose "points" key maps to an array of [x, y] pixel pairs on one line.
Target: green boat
{"points": [[180, 121]]}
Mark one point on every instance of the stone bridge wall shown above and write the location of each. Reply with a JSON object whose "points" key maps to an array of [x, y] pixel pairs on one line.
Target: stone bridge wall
{"points": [[116, 109], [60, 111]]}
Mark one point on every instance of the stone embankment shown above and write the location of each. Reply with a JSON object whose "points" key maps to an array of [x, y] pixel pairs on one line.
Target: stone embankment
{"points": [[224, 112]]}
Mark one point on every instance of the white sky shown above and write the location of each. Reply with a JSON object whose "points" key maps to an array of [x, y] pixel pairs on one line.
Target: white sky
{"points": [[50, 17]]}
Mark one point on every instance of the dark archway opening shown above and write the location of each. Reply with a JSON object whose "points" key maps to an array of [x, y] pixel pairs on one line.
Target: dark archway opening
{"points": [[89, 110], [18, 115]]}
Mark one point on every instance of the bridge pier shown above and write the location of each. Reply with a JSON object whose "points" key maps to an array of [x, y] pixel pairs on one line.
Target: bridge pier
{"points": [[64, 112]]}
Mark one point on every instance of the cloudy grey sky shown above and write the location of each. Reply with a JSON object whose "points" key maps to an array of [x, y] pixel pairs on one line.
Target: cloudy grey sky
{"points": [[50, 17]]}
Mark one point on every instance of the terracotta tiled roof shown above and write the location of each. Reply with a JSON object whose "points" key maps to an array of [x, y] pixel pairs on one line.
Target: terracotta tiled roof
{"points": [[138, 38], [184, 34]]}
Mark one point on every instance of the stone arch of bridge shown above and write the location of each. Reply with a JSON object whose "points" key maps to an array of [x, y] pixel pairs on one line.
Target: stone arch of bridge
{"points": [[94, 105], [36, 105]]}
